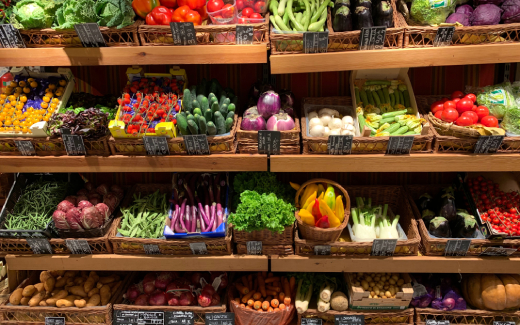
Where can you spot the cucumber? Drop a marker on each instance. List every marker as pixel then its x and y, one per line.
pixel 227 101
pixel 208 115
pixel 199 99
pixel 203 127
pixel 212 129
pixel 231 107
pixel 402 130
pixel 197 111
pixel 190 117
pixel 394 127
pixel 230 114
pixel 194 104
pixel 210 96
pixel 204 104
pixel 192 126
pixel 364 98
pixel 186 101
pixel 196 118
pixel 220 123
pixel 223 109
pixel 222 99
pixel 215 108
pixel 229 124
pixel 216 115
pixel 182 124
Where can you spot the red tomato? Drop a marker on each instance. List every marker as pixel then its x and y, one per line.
pixel 259 6
pixel 471 97
pixel 436 107
pixel 444 99
pixel 450 104
pixel 227 11
pixel 457 94
pixel 255 16
pixel 481 111
pixel 247 12
pixel 243 20
pixel 464 105
pixel 465 121
pixel 449 115
pixel 456 100
pixel 215 5
pixel 438 114
pixel 240 4
pixel 489 121
pixel 472 115
pixel 249 3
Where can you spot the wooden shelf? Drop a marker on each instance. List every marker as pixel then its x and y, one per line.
pixel 380 59
pixel 384 163
pixel 418 264
pixel 95 164
pixel 114 262
pixel 138 55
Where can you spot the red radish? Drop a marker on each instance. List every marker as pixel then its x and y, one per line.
pixel 163 279
pixel 132 293
pixel 215 299
pixel 158 298
pixel 204 299
pixel 142 300
pixel 187 298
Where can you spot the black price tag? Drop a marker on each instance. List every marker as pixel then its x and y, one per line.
pixel 498 251
pixel 254 248
pixel 183 34
pixel 180 318
pixel 151 249
pixel 156 146
pixel 199 248
pixel 488 143
pixel 269 142
pixel 244 34
pixel 322 250
pixel 457 247
pixel 384 247
pixel 39 245
pixel 419 290
pixel 349 320
pixel 400 145
pixel 444 36
pixel 90 35
pixel 10 37
pixel 78 246
pixel 437 322
pixel 26 148
pixel 312 321
pixel 73 143
pixel 315 42
pixel 220 319
pixel 123 317
pixel 340 144
pixel 503 323
pixel 372 38
pixel 54 320
pixel 196 144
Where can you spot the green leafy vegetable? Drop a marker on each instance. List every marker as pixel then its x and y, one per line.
pixel 114 13
pixel 29 14
pixel 431 12
pixel 262 211
pixel 74 12
pixel 498 98
pixel 263 182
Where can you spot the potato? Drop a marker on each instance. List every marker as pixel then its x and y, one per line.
pixel 16 296
pixel 94 300
pixel 84 274
pixel 89 284
pixel 79 280
pixel 81 303
pixel 64 303
pixel 49 284
pixel 61 282
pixel 94 275
pixel 28 291
pixel 35 300
pixel 70 282
pixel 105 294
pixel 93 292
pixel 55 291
pixel 25 301
pixel 70 274
pixel 400 282
pixel 44 276
pixel 60 295
pixel 108 279
pixel 57 273
pixel 78 290
pixel 99 285
pixel 388 294
pixel 43 303
pixel 39 287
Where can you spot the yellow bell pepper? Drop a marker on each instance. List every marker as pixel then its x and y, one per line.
pixel 330 197
pixel 309 189
pixel 310 206
pixel 321 189
pixel 325 210
pixel 339 210
pixel 310 199
pixel 295 186
pixel 306 217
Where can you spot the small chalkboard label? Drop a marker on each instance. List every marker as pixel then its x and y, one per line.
pixel 437 322
pixel 244 34
pixel 54 320
pixel 196 144
pixel 199 248
pixel 10 37
pixel 349 320
pixel 78 246
pixel 73 143
pixel 488 143
pixel 220 319
pixel 419 290
pixel 254 248
pixel 151 249
pixel 340 144
pixel 372 38
pixel 180 318
pixel 269 142
pixel 400 145
pixel 457 247
pixel 444 36
pixel 384 247
pixel 498 251
pixel 156 146
pixel 183 33
pixel 39 245
pixel 322 249
pixel 25 147
pixel 496 322
pixel 312 321
pixel 315 42
pixel 124 317
pixel 90 35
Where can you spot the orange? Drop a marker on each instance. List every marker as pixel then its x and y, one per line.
pixel 44 105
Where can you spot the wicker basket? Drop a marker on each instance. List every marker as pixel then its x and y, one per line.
pixel 269 249
pixel 267 237
pixel 401 317
pixel 99 245
pixel 468 316
pixel 320 234
pixel 452 138
pixel 8 146
pixel 53 146
pixel 156 35
pixel 114 37
pixel 435 246
pixel 289 140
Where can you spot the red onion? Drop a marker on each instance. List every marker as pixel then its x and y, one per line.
pixel 132 293
pixel 280 122
pixel 268 104
pixel 158 298
pixel 163 279
pixel 142 300
pixel 253 122
pixel 204 299
pixel 187 298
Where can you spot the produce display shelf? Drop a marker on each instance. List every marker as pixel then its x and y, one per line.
pixel 115 262
pixel 398 58
pixel 142 55
pixel 96 164
pixel 417 264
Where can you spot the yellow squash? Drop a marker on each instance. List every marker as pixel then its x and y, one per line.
pixel 310 199
pixel 306 217
pixel 309 189
pixel 321 189
pixel 325 210
pixel 330 197
pixel 310 206
pixel 295 186
pixel 339 210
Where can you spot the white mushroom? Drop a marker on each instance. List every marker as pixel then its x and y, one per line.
pixel 317 131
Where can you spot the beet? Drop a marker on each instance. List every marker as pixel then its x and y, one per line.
pixel 204 299
pixel 104 210
pixel 73 218
pixel 84 204
pixel 118 190
pixel 60 220
pixel 102 189
pixel 94 195
pixel 111 201
pixel 215 299
pixel 163 279
pixel 82 198
pixel 142 300
pixel 65 206
pixel 90 218
pixel 158 298
pixel 72 199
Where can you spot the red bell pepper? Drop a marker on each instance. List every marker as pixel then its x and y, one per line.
pixel 316 210
pixel 203 13
pixel 185 14
pixel 169 3
pixel 144 7
pixel 159 16
pixel 323 222
pixel 193 4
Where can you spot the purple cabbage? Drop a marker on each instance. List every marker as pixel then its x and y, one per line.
pixel 486 14
pixel 511 12
pixel 269 104
pixel 458 17
pixel 464 9
pixel 253 122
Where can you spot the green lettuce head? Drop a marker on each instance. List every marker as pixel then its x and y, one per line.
pixel 115 13
pixel 431 12
pixel 74 12
pixel 29 14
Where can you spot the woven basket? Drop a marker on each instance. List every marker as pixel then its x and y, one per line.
pixel 99 245
pixel 53 146
pixel 468 316
pixel 8 146
pixel 315 233
pixel 114 37
pixel 269 249
pixel 267 237
pixel 157 35
pixel 401 317
pixel 435 246
pixel 289 140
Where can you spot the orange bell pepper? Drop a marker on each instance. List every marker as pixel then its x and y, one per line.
pixel 144 7
pixel 185 14
pixel 193 4
pixel 203 13
pixel 159 16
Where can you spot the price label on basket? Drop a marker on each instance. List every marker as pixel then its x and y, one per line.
pixel 372 38
pixel 419 290
pixel 156 146
pixel 315 42
pixel 254 248
pixel 244 34
pixel 151 249
pixel 78 246
pixel 349 320
pixel 10 37
pixel 322 249
pixel 488 143
pixel 457 247
pixel 196 144
pixel 39 245
pixel 220 319
pixel 384 247
pixel 73 143
pixel 90 35
pixel 269 142
pixel 400 145
pixel 26 148
pixel 437 322
pixel 340 144
pixel 127 317
pixel 444 36
pixel 503 323
pixel 183 34
pixel 180 318
pixel 311 321
pixel 498 251
pixel 199 248
pixel 54 320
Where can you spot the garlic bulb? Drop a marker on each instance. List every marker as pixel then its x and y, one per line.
pixel 335 132
pixel 347 120
pixel 326 132
pixel 312 114
pixel 315 121
pixel 325 119
pixel 317 131
pixel 335 123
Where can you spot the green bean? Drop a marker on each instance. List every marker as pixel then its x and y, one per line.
pixel 145 217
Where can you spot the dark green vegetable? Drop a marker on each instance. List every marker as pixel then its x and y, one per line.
pixel 261 182
pixel 342 20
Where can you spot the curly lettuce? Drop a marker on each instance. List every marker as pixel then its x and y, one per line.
pixel 115 13
pixel 74 12
pixel 29 14
pixel 431 12
pixel 498 98
pixel 261 182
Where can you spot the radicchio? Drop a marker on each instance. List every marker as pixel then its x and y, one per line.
pixel 60 220
pixel 64 206
pixel 73 218
pixel 104 210
pixel 84 204
pixel 90 218
pixel 72 199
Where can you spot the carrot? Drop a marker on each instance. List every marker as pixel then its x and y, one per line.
pixel 250 302
pixel 273 288
pixel 270 309
pixel 248 307
pixel 292 283
pixel 286 288
pixel 250 281
pixel 282 306
pixel 237 300
pixel 281 296
pixel 255 285
pixel 272 293
pixel 257 296
pixel 276 309
pixel 242 305
pixel 265 305
pixel 268 298
pixel 248 296
pixel 287 301
pixel 242 289
pixel 272 279
pixel 276 284
pixel 261 284
pixel 257 305
pixel 275 303
pixel 244 281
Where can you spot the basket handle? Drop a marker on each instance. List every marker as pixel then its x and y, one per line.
pixel 322 180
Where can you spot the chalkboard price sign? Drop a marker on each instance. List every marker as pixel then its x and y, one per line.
pixel 10 37
pixel 196 144
pixel 54 320
pixel 124 317
pixel 156 146
pixel 244 34
pixel 372 38
pixel 90 35
pixel 400 145
pixel 78 246
pixel 498 251
pixel 457 247
pixel 269 142
pixel 349 320
pixel 39 245
pixel 322 249
pixel 311 321
pixel 73 143
pixel 315 42
pixel 384 247
pixel 444 36
pixel 151 249
pixel 340 144
pixel 199 248
pixel 183 33
pixel 254 248
pixel 26 148
pixel 488 143
pixel 220 319
pixel 437 322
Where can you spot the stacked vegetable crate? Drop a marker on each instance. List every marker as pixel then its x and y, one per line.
pixel 397 317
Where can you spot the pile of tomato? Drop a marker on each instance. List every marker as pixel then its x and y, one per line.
pixel 496 206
